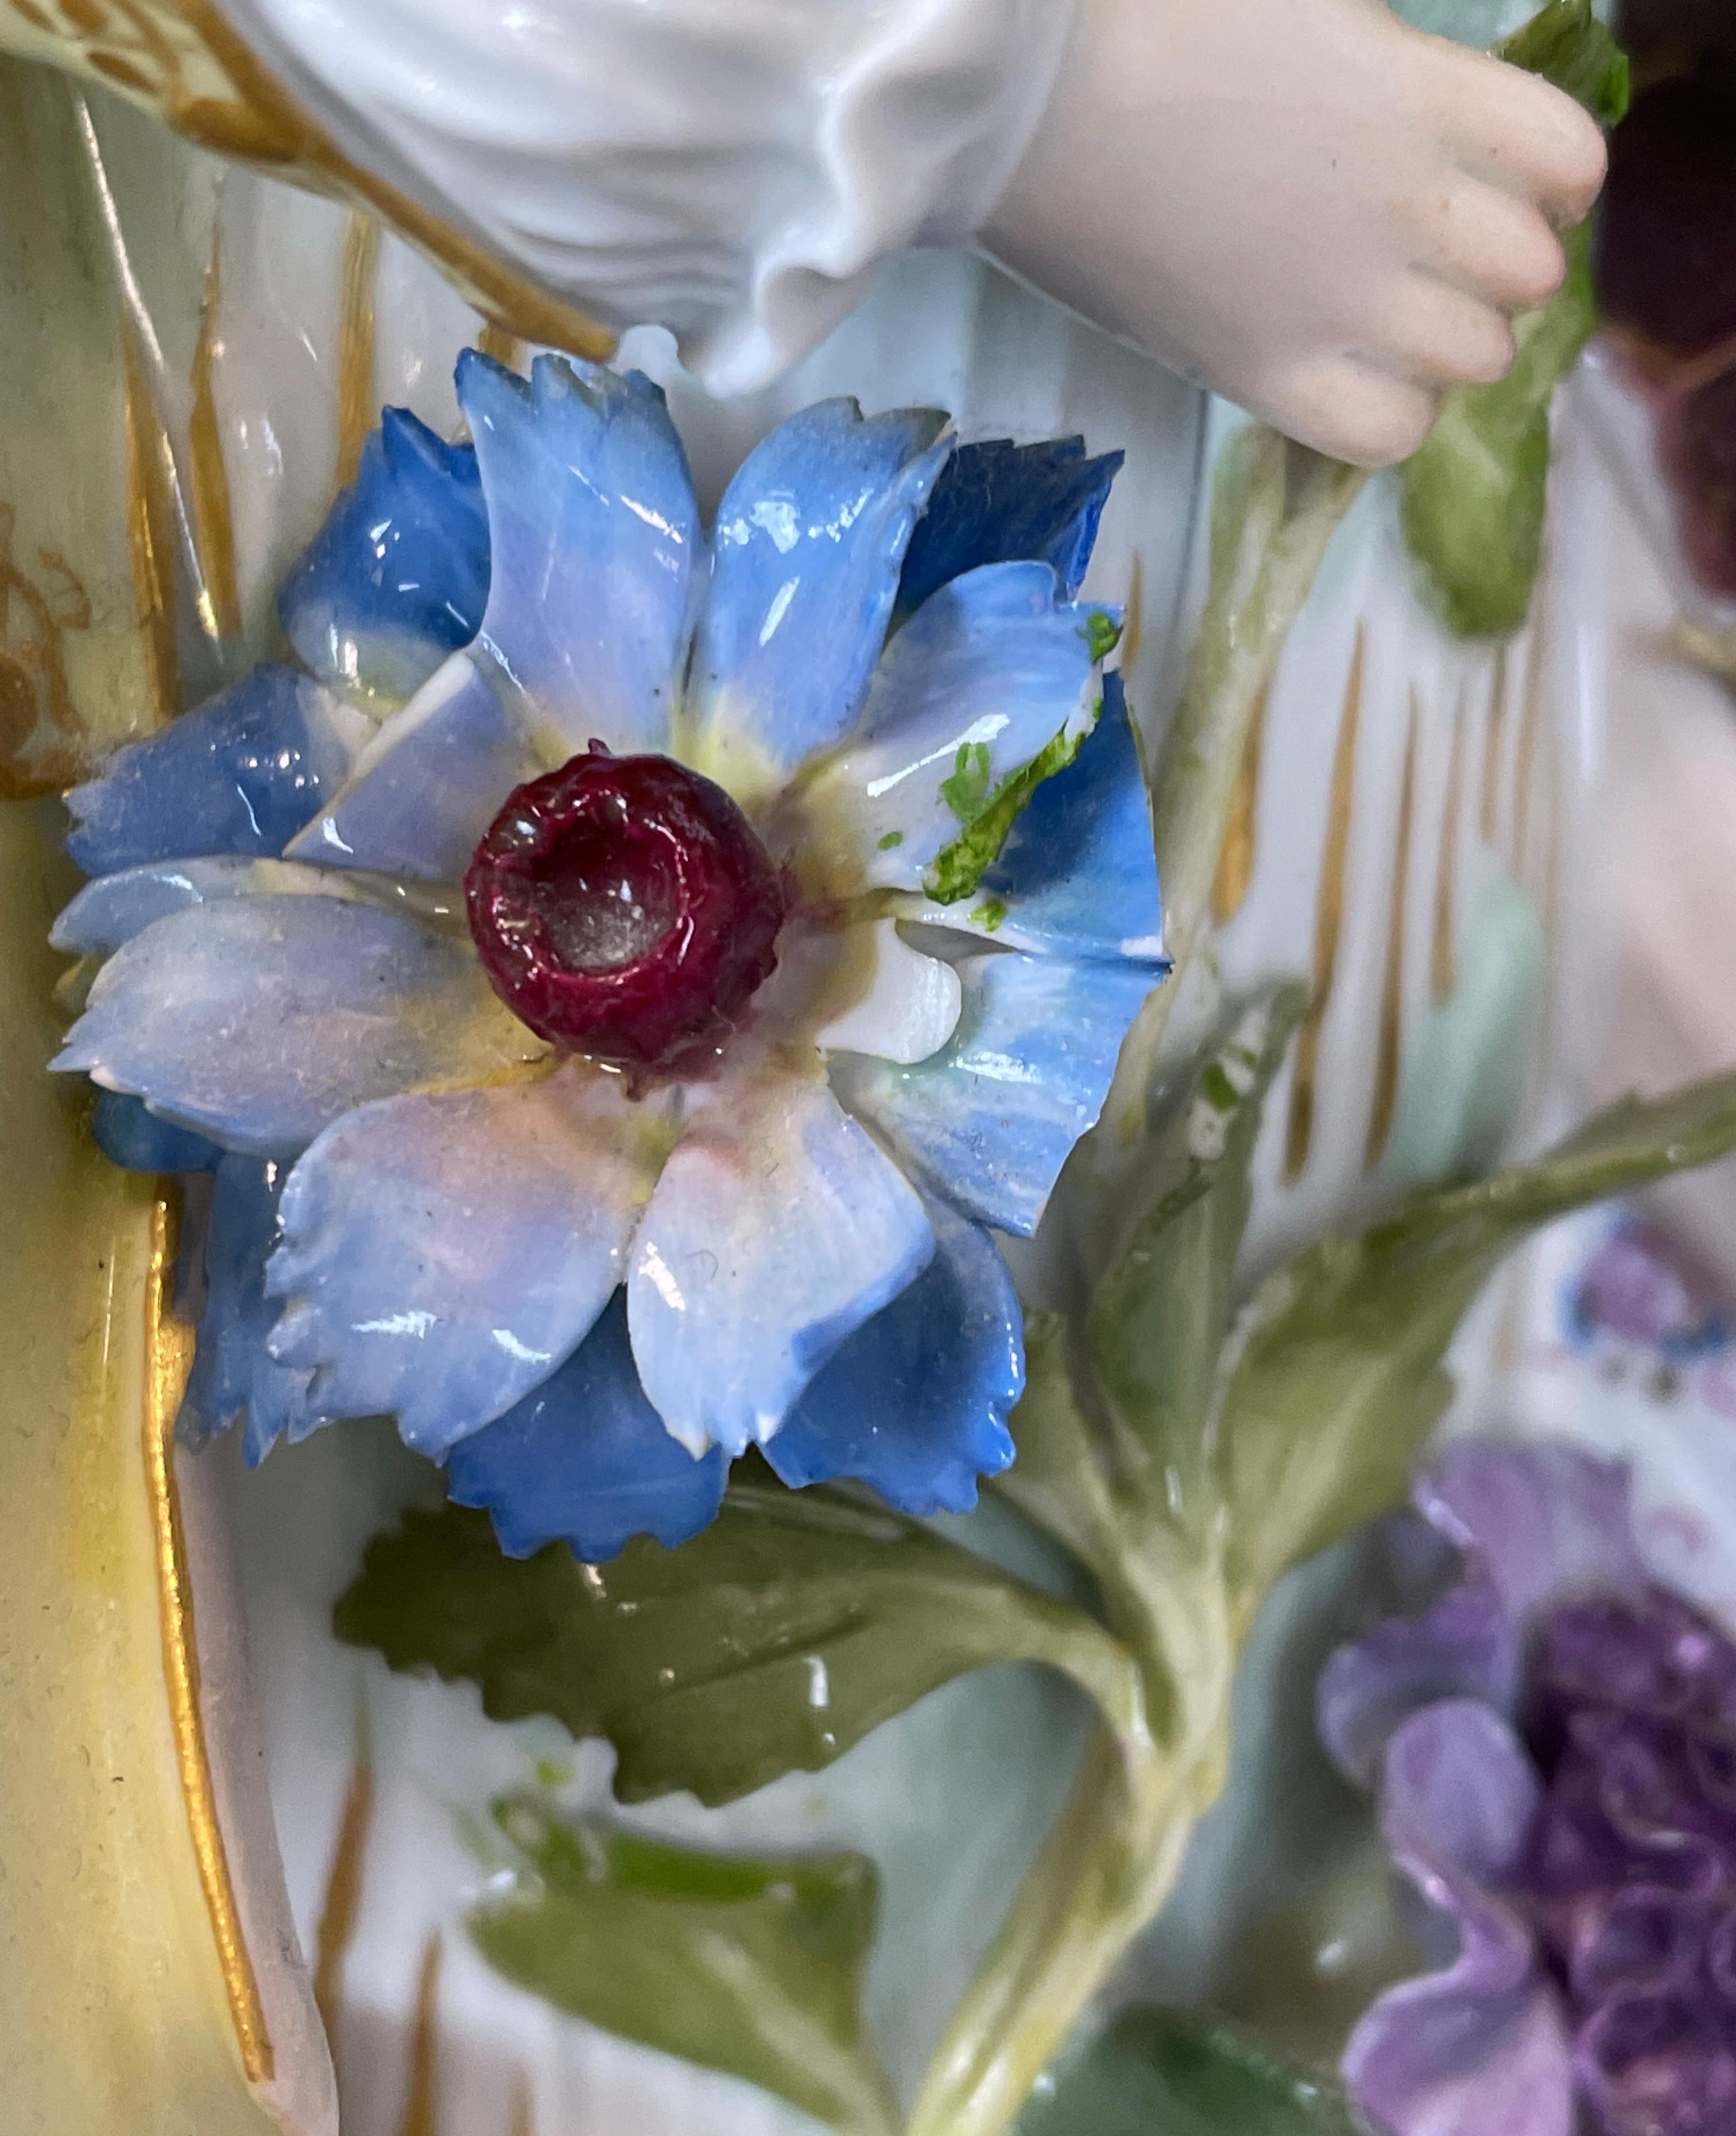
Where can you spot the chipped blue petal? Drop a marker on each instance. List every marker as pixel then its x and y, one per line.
pixel 990 1120
pixel 240 775
pixel 977 683
pixel 232 1370
pixel 596 542
pixel 442 1255
pixel 429 783
pixel 585 1461
pixel 258 1021
pixel 916 1402
pixel 1078 876
pixel 138 1141
pixel 398 576
pixel 777 1230
pixel 810 539
pixel 274 1402
pixel 108 913
pixel 999 503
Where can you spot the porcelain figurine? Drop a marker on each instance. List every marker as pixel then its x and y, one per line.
pixel 317 978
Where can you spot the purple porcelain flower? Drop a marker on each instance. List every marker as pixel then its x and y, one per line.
pixel 1641 1286
pixel 624 972
pixel 1553 1742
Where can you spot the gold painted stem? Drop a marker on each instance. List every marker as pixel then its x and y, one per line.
pixel 168 1360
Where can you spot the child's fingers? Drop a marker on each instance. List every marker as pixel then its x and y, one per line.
pixel 1440 336
pixel 1491 246
pixel 1354 410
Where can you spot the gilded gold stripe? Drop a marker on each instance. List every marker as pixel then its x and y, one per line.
pixel 1133 637
pixel 219 599
pixel 168 1360
pixel 1492 749
pixel 504 346
pixel 357 402
pixel 151 531
pixel 1529 734
pixel 422 2099
pixel 1390 1055
pixel 1443 968
pixel 1237 861
pixel 341 1908
pixel 1328 917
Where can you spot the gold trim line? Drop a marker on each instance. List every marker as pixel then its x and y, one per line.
pixel 168 1360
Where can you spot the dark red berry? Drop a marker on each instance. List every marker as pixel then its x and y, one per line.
pixel 625 909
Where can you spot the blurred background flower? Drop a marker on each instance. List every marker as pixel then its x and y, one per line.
pixel 1553 1740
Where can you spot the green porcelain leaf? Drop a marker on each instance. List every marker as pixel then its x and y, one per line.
pixel 1169 2073
pixel 1160 1316
pixel 988 817
pixel 1472 498
pixel 772 1642
pixel 1339 1376
pixel 750 1966
pixel 1567 45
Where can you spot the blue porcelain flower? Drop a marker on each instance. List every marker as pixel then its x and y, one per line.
pixel 622 978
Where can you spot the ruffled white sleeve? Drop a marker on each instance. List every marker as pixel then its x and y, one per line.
pixel 731 169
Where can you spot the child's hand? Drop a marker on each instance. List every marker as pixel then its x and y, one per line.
pixel 1313 208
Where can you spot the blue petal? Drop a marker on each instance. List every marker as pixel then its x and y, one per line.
pixel 261 1020
pixel 232 1369
pixel 777 1229
pixel 810 539
pixel 998 502
pixel 241 774
pixel 916 1402
pixel 1078 876
pixel 585 1461
pixel 991 1120
pixel 274 1402
pixel 138 1141
pixel 442 1255
pixel 596 541
pixel 108 913
pixel 398 576
pixel 976 684
pixel 429 784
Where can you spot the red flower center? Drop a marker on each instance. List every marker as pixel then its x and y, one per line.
pixel 624 908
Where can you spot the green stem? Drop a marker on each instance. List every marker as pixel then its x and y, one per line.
pixel 1107 1867
pixel 1278 506
pixel 1110 1861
